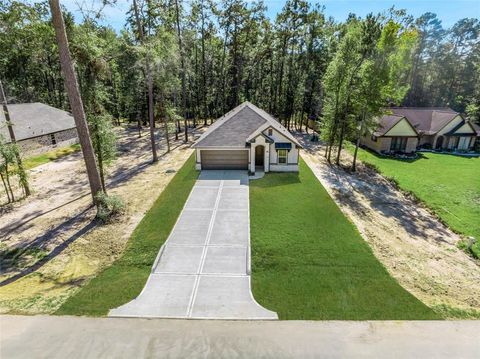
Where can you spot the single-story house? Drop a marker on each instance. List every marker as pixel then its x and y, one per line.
pixel 38 127
pixel 247 138
pixel 405 129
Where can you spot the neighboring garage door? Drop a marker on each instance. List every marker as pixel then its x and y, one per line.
pixel 228 160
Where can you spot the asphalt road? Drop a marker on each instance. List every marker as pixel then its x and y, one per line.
pixel 77 337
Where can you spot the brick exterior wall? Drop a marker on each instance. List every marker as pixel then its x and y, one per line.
pixel 41 144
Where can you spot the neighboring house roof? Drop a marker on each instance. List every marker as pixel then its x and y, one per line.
pixel 455 131
pixel 476 128
pixel 237 127
pixel 35 119
pixel 428 120
pixel 386 123
pixel 425 120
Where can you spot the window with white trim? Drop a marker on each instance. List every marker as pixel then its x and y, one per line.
pixel 270 132
pixel 282 156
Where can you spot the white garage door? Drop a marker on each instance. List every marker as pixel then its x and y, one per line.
pixel 225 160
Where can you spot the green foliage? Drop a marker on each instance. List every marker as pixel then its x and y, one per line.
pixel 309 261
pixel 234 52
pixel 103 136
pixel 109 207
pixel 124 280
pixel 9 165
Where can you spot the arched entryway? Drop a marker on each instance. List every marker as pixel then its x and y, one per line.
pixel 259 156
pixel 439 143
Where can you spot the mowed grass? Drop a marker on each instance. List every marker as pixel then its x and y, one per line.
pixel 125 278
pixel 310 262
pixel 448 184
pixel 34 161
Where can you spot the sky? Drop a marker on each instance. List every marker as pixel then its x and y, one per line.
pixel 448 11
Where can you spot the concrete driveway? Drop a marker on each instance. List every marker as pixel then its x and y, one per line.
pixel 203 269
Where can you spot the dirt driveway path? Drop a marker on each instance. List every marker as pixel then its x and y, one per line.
pixel 202 271
pixel 56 224
pixel 417 249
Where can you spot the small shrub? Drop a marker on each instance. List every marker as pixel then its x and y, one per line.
pixel 109 208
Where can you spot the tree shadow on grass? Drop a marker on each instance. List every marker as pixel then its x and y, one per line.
pixel 40 241
pixel 384 198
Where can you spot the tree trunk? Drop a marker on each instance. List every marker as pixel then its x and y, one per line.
pixel 100 160
pixel 7 178
pixel 182 65
pixel 5 186
pixel 148 74
pixel 75 99
pixel 357 143
pixel 23 180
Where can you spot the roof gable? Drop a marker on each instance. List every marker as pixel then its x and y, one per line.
pixel 463 128
pixel 385 123
pixel 401 128
pixel 428 120
pixel 239 126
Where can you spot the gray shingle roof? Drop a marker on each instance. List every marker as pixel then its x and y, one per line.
pixel 236 126
pixel 35 119
pixel 386 122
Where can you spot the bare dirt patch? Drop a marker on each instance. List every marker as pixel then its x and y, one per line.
pixel 58 222
pixel 415 247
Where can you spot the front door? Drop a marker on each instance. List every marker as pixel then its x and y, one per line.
pixel 259 155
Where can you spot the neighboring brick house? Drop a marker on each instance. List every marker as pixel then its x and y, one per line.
pixel 405 129
pixel 38 127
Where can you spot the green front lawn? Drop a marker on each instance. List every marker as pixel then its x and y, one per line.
pixel 310 262
pixel 448 184
pixel 124 280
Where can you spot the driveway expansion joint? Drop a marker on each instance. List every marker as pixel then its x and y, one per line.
pixel 202 270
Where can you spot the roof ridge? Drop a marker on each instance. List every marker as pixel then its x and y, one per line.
pixel 220 121
pixel 273 122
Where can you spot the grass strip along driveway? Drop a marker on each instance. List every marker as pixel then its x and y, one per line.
pixel 448 184
pixel 124 280
pixel 310 262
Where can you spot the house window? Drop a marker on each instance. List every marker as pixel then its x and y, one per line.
pixel 398 144
pixel 52 139
pixel 270 132
pixel 282 157
pixel 374 138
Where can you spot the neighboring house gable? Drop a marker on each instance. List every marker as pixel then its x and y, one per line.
pixel 463 129
pixel 402 128
pixel 451 125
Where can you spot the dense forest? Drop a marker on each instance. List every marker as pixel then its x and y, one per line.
pixel 200 59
